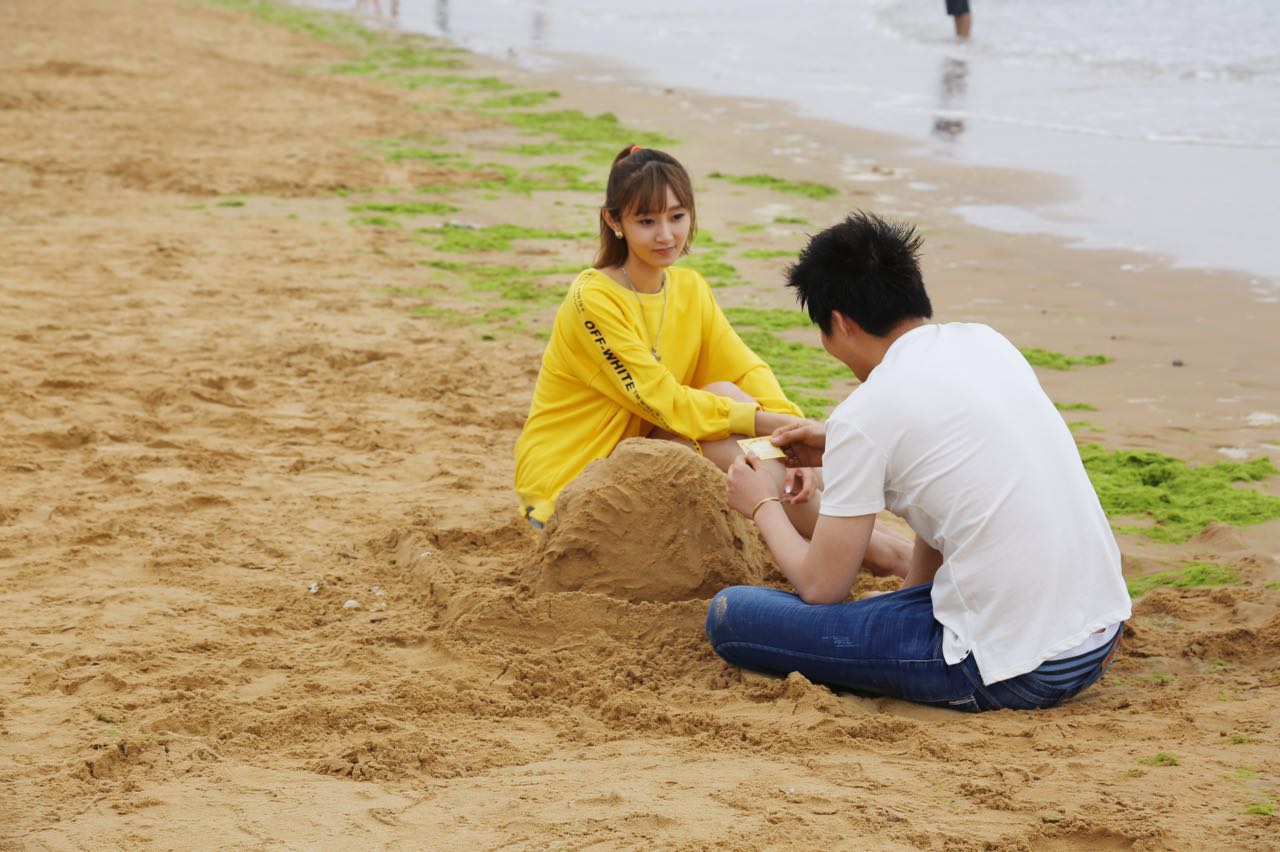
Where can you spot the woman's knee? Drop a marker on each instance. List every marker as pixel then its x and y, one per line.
pixel 730 390
pixel 659 434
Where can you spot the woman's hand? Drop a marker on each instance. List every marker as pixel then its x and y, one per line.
pixel 800 484
pixel 748 485
pixel 803 443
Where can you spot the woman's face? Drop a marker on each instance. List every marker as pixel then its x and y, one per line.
pixel 657 238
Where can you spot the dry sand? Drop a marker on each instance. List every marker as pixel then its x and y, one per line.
pixel 221 424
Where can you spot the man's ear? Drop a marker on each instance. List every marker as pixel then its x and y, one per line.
pixel 841 323
pixel 848 325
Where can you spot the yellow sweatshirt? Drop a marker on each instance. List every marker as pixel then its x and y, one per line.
pixel 600 383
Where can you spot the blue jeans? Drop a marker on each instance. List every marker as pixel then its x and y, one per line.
pixel 888 645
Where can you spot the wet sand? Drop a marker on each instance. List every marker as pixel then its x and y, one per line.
pixel 223 422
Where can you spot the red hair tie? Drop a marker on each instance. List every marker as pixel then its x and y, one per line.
pixel 634 148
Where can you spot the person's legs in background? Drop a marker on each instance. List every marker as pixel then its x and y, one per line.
pixel 959 11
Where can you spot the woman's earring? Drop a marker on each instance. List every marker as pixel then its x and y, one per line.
pixel 618 234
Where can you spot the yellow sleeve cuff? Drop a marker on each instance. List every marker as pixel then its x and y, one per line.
pixel 742 418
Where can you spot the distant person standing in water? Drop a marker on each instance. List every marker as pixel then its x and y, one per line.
pixel 959 10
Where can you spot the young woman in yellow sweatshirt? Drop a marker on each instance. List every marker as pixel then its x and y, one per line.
pixel 639 347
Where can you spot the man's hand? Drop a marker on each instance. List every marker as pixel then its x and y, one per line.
pixel 748 485
pixel 803 443
pixel 800 484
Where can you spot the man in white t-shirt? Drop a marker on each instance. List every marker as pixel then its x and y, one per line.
pixel 1012 592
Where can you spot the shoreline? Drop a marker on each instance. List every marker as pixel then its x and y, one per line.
pixel 1015 197
pixel 1127 196
pixel 271 328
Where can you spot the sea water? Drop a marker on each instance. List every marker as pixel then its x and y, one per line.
pixel 1164 115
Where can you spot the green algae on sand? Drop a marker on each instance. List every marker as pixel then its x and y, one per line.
pixel 801 368
pixel 405 208
pixel 519 100
pixel 1160 758
pixel 520 288
pixel 459 239
pixel 713 267
pixel 1178 500
pixel 1058 361
pixel 597 134
pixel 808 189
pixel 1194 575
pixel 373 222
pixel 1084 425
pixel 769 254
pixel 768 319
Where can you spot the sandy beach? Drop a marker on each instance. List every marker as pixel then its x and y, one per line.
pixel 273 297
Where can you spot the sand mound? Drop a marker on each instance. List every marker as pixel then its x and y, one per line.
pixel 649 523
pixel 1238 643
pixel 1221 536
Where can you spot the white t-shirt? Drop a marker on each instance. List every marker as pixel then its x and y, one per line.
pixel 953 433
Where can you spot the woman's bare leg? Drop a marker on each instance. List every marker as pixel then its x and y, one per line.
pixel 925 562
pixel 888 554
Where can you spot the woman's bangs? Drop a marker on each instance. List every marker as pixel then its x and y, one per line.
pixel 649 192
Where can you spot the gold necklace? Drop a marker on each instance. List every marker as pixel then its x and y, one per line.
pixel 661 319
